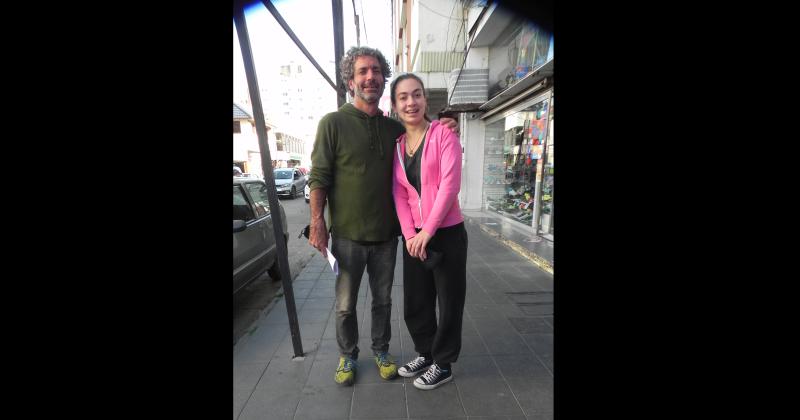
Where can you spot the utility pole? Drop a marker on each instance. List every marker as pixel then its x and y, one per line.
pixel 358 33
pixel 338 47
pixel 358 30
pixel 269 176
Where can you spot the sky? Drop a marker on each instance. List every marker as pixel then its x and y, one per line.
pixel 312 23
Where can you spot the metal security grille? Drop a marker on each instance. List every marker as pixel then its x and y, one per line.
pixel 473 86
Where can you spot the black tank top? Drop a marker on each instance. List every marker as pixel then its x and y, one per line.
pixel 413 167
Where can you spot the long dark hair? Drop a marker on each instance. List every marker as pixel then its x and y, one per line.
pixel 405 76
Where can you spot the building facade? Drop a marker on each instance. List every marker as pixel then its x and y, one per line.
pixel 430 42
pixel 286 151
pixel 502 89
pixel 246 153
pixel 291 150
pixel 294 98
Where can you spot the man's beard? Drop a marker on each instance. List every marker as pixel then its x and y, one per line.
pixel 369 98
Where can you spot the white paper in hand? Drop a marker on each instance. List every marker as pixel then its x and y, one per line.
pixel 332 261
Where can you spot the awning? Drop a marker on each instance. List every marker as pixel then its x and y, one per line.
pixel 533 82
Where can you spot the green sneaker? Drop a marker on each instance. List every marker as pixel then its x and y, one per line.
pixel 346 372
pixel 386 365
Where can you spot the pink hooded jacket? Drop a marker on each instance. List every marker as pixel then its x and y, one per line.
pixel 440 180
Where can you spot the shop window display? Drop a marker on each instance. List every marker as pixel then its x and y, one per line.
pixel 514 147
pixel 530 48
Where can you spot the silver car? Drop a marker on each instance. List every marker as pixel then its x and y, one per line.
pixel 254 246
pixel 289 181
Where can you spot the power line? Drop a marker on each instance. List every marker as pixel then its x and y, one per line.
pixel 363 18
pixel 437 13
pixel 448 24
pixel 355 19
pixel 455 85
pixel 468 46
pixel 394 53
pixel 455 41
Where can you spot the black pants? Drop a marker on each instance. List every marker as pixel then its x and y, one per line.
pixel 447 283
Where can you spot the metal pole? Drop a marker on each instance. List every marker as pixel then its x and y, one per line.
pixel 355 17
pixel 269 177
pixel 537 194
pixel 296 40
pixel 338 46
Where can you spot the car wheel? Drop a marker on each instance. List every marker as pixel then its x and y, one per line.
pixel 274 272
pixel 293 194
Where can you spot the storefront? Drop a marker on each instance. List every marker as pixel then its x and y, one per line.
pixel 518 164
pixel 507 138
pixel 517 161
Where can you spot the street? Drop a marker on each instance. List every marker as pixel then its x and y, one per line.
pixel 249 302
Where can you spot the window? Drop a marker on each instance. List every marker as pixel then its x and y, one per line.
pixel 283 174
pixel 241 208
pixel 529 48
pixel 513 163
pixel 237 126
pixel 258 191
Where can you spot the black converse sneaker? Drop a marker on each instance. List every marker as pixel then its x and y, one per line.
pixel 434 377
pixel 414 367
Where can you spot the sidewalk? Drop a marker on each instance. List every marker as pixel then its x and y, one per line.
pixel 505 369
pixel 539 251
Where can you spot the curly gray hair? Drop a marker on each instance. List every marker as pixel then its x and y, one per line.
pixel 347 66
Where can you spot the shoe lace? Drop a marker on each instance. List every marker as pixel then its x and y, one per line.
pixel 383 359
pixel 432 373
pixel 416 363
pixel 347 365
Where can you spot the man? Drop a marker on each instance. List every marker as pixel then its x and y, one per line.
pixel 352 161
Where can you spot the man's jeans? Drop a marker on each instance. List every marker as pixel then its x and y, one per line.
pixel 379 260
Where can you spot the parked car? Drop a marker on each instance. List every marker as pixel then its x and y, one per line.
pixel 307 192
pixel 289 181
pixel 254 248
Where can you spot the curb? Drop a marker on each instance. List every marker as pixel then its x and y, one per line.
pixel 524 252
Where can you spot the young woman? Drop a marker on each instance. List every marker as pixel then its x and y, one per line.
pixel 427 179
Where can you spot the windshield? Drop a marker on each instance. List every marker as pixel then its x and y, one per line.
pixel 283 174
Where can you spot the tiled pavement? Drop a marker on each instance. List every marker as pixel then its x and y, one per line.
pixel 505 370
